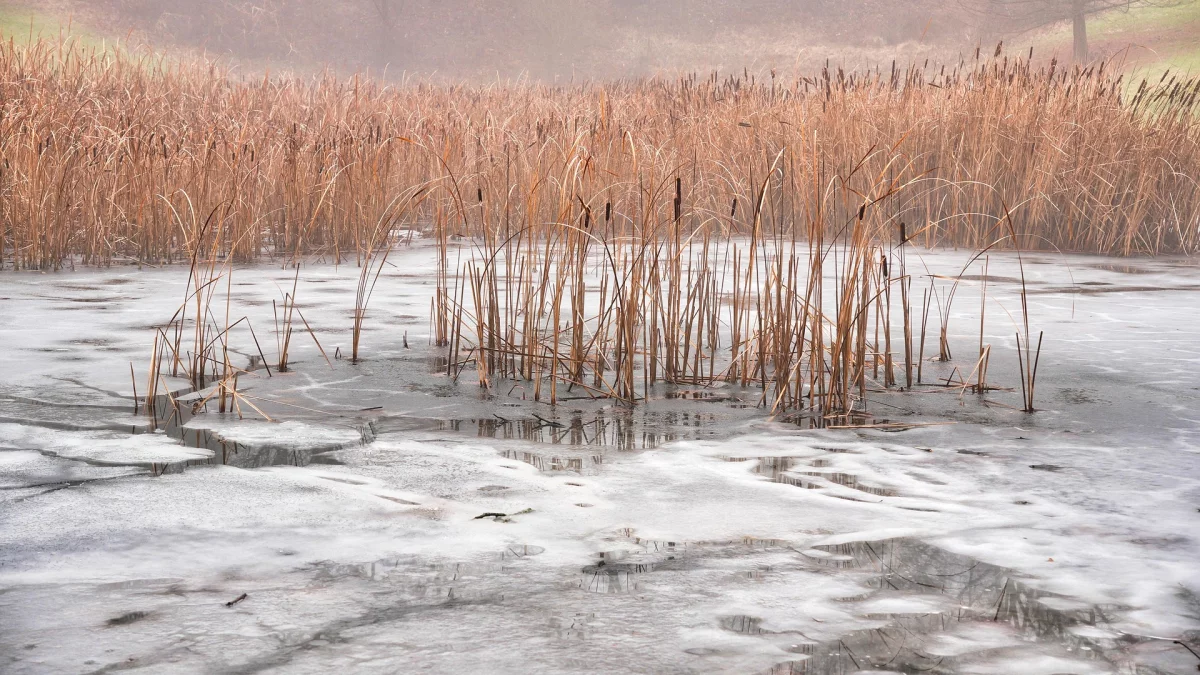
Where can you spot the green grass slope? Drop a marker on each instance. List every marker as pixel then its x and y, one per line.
pixel 1151 38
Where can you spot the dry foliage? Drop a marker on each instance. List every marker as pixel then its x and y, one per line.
pixel 111 156
pixel 688 231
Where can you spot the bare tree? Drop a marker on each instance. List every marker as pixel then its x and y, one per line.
pixel 1024 15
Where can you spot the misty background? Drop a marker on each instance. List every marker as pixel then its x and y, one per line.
pixel 558 39
pixel 546 38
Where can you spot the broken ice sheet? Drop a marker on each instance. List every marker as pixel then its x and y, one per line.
pixel 746 547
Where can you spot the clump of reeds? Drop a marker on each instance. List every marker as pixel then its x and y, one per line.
pixel 373 258
pixel 680 297
pixel 194 343
pixel 283 334
pixel 285 314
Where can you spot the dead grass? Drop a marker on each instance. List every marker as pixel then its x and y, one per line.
pixel 100 148
pixel 696 231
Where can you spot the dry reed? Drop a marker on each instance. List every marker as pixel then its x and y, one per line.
pixel 690 231
pixel 98 148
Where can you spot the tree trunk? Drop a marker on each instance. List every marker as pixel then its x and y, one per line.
pixel 1079 21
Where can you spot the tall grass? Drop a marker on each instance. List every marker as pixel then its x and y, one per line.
pixel 99 148
pixel 697 231
pixel 677 299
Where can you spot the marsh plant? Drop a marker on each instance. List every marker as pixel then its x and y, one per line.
pixel 98 150
pixel 607 236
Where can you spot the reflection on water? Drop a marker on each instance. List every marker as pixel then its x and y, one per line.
pixel 613 578
pixel 742 624
pixel 778 470
pixel 698 395
pixel 784 470
pixel 168 416
pixel 171 417
pixel 1123 268
pixel 969 591
pixel 939 598
pixel 936 594
pixel 578 465
pixel 419 570
pixel 851 481
pixel 853 420
pixel 624 432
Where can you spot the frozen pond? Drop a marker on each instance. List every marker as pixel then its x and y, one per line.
pixel 691 534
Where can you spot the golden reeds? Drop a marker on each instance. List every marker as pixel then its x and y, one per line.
pixel 680 298
pixel 99 148
pixel 748 228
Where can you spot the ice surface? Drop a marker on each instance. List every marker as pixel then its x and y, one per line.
pixel 259 432
pixel 690 535
pixel 100 447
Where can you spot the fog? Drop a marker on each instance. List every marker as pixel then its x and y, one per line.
pixel 549 39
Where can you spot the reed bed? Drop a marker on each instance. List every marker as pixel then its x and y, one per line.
pixel 109 156
pixel 691 231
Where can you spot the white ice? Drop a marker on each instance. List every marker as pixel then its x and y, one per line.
pixel 379 563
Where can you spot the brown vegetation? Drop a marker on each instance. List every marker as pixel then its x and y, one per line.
pixel 688 231
pixel 112 157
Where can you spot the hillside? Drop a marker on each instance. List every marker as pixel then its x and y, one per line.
pixel 1151 38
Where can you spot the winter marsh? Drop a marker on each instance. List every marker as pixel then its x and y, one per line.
pixel 688 533
pixel 653 376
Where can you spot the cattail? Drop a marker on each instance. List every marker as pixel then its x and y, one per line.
pixel 678 198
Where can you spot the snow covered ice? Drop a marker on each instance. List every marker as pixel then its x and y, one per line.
pixel 690 535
